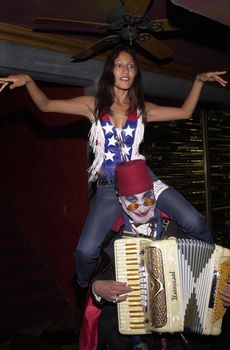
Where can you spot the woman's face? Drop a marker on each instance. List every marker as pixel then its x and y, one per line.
pixel 124 71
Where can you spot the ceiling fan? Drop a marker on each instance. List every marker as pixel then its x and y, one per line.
pixel 130 24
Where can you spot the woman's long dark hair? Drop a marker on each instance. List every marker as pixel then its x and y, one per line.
pixel 105 93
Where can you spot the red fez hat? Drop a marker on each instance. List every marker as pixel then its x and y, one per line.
pixel 133 177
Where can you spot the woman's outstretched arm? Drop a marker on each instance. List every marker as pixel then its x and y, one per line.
pixel 161 113
pixel 83 105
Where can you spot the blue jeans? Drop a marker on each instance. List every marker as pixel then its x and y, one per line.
pixel 104 209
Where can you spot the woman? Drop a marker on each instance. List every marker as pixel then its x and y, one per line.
pixel 118 113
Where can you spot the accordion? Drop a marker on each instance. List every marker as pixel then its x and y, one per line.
pixel 175 284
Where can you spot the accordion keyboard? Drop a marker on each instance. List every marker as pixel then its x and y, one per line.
pixel 131 311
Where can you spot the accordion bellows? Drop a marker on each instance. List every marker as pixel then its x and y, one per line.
pixel 175 284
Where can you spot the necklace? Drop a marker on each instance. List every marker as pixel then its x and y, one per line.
pixel 121 145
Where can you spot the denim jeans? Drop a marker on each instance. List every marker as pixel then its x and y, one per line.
pixel 104 210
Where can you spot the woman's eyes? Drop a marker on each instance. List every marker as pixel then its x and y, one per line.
pixel 120 65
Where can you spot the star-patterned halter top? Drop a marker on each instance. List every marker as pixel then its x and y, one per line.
pixel 118 143
pixel 113 145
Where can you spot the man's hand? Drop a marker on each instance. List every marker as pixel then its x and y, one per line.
pixel 112 291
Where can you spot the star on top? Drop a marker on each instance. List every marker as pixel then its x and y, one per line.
pixel 128 131
pixel 112 141
pixel 126 149
pixel 108 128
pixel 109 156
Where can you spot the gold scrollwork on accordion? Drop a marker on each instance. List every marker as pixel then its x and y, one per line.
pixel 223 279
pixel 158 315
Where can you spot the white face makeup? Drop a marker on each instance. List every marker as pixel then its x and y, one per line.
pixel 139 207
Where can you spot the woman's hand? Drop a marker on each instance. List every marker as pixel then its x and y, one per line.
pixel 112 291
pixel 14 81
pixel 212 76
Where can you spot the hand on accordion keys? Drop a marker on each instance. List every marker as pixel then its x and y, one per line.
pixel 225 293
pixel 112 291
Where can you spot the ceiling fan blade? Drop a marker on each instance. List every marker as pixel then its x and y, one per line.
pixel 25 36
pixel 135 8
pixel 161 25
pixel 153 47
pixel 46 24
pixel 96 48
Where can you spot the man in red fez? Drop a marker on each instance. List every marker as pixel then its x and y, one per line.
pixel 139 217
pixel 135 191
